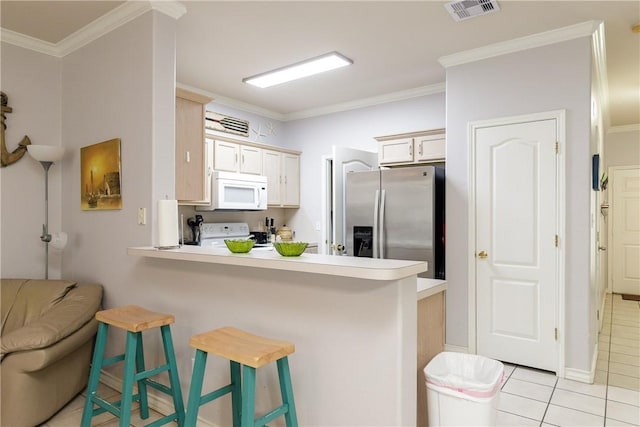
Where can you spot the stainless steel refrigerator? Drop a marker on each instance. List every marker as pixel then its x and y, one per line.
pixel 397 214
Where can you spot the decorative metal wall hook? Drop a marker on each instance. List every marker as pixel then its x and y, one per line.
pixel 10 157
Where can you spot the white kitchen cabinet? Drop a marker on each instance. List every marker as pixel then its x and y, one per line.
pixel 291 184
pixel 192 167
pixel 283 178
pixel 417 147
pixel 235 157
pixel 429 147
pixel 250 159
pixel 272 169
pixel 395 151
pixel 225 156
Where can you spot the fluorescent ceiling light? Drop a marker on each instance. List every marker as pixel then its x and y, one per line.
pixel 320 64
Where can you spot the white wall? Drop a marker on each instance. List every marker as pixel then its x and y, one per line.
pixel 542 79
pixel 31 81
pixel 107 93
pixel 121 86
pixel 622 148
pixel 355 129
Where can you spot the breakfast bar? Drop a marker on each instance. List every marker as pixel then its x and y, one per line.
pixel 352 320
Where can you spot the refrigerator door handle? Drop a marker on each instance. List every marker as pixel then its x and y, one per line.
pixel 376 211
pixel 381 240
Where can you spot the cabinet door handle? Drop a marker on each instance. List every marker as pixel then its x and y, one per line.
pixel 285 179
pixel 187 157
pixel 482 254
pixel 411 150
pixel 236 159
pixel 243 159
pixel 420 149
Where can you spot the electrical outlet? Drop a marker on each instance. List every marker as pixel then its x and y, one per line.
pixel 142 216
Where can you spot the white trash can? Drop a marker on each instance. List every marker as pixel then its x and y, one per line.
pixel 463 389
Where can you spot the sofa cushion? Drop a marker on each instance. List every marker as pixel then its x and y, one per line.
pixel 25 300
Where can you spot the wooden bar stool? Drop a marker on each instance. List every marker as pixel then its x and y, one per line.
pixel 134 320
pixel 246 352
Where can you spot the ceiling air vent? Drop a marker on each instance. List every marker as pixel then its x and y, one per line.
pixel 222 123
pixel 465 9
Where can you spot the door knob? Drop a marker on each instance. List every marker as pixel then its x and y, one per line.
pixel 602 248
pixel 482 254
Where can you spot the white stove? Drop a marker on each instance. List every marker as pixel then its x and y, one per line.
pixel 213 234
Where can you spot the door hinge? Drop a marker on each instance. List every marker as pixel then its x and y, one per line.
pixel 557 241
pixel 557 147
pixel 556 333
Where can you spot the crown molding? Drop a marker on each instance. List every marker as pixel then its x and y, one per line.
pixel 367 102
pixel 314 112
pixel 28 42
pixel 95 29
pixel 584 29
pixel 625 128
pixel 234 103
pixel 171 8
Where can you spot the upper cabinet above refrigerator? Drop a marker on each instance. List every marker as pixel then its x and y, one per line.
pixel 412 148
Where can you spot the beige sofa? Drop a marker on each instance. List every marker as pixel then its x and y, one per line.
pixel 48 328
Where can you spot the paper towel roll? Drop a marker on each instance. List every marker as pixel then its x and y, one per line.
pixel 167 223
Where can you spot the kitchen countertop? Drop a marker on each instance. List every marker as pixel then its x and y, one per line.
pixel 429 287
pixel 345 266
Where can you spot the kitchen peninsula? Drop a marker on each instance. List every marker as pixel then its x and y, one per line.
pixel 353 322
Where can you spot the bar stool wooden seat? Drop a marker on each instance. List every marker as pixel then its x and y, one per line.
pixel 246 352
pixel 134 320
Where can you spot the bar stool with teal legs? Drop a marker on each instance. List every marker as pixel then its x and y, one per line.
pixel 134 320
pixel 246 352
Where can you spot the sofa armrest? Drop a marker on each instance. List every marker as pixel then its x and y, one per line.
pixel 76 309
pixel 38 359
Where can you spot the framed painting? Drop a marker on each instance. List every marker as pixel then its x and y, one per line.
pixel 100 172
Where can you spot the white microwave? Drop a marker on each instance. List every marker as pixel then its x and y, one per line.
pixel 237 191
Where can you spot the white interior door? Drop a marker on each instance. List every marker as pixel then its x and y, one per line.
pixel 345 160
pixel 624 247
pixel 515 242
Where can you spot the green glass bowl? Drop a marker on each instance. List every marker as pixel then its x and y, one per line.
pixel 239 246
pixel 290 248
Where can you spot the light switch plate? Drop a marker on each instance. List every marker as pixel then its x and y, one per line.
pixel 142 216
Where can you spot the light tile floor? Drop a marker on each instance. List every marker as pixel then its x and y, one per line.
pixel 537 398
pixel 529 397
pixel 71 415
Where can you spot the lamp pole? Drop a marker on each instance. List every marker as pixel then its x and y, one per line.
pixel 46 237
pixel 47 155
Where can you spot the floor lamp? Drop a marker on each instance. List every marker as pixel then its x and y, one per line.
pixel 47 155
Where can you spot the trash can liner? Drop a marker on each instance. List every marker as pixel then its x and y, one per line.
pixel 473 375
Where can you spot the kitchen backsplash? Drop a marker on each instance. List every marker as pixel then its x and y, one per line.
pixel 255 219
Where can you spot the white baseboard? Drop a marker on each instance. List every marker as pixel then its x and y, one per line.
pixel 158 404
pixel 456 348
pixel 582 375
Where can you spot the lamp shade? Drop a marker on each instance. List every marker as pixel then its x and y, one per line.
pixel 46 153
